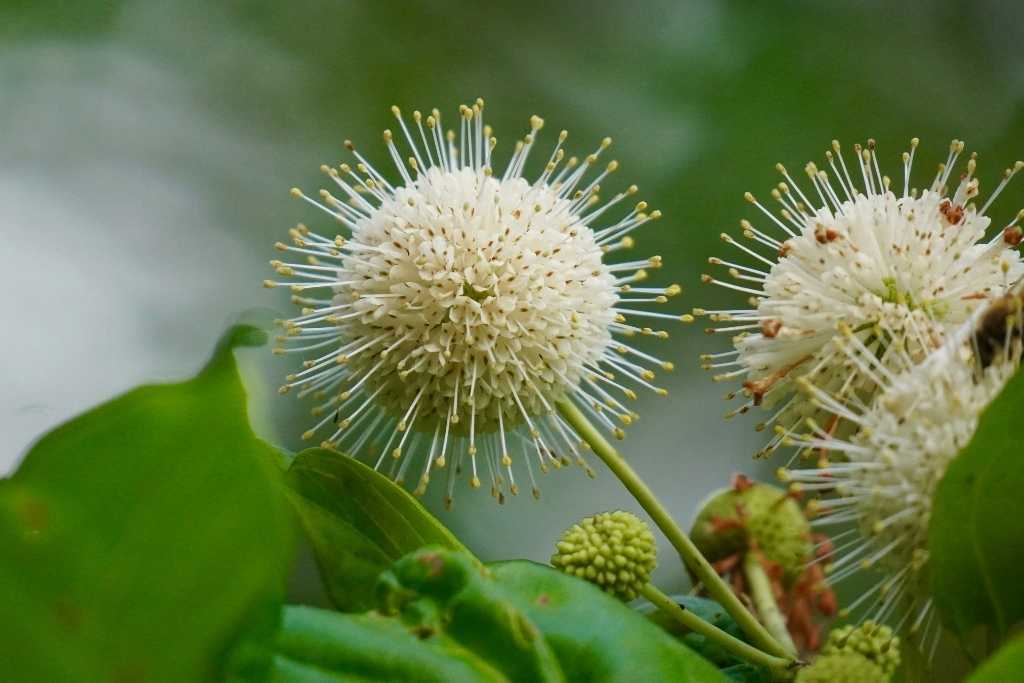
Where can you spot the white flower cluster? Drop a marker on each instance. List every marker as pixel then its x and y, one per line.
pixel 881 481
pixel 462 304
pixel 884 320
pixel 899 267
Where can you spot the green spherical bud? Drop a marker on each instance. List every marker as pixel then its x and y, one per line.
pixel 733 519
pixel 871 640
pixel 614 550
pixel 434 571
pixel 842 668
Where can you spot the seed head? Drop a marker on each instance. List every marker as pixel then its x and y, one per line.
pixel 754 515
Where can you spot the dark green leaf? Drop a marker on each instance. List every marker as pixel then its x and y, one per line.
pixel 976 544
pixel 711 612
pixel 141 538
pixel 359 523
pixel 1006 665
pixel 747 673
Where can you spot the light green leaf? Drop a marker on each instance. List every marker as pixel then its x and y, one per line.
pixel 975 538
pixel 595 637
pixel 141 538
pixel 1006 665
pixel 317 646
pixel 359 523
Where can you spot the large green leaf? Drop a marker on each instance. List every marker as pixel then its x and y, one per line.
pixel 443 616
pixel 141 538
pixel 1006 665
pixel 359 523
pixel 976 538
pixel 596 637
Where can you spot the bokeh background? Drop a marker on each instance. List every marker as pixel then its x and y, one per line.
pixel 147 148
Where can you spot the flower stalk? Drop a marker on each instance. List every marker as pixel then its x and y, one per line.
pixel 764 600
pixel 688 552
pixel 781 668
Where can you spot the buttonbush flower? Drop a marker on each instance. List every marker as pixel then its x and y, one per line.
pixel 883 485
pixel 898 266
pixel 461 301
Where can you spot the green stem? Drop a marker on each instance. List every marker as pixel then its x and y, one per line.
pixel 692 557
pixel 781 669
pixel 764 600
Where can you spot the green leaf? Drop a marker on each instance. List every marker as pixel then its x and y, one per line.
pixel 976 545
pixel 141 538
pixel 713 613
pixel 359 523
pixel 317 646
pixel 747 673
pixel 1006 665
pixel 444 616
pixel 595 637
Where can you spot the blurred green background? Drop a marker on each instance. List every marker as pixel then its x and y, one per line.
pixel 148 146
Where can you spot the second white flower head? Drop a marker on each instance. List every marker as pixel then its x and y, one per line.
pixel 898 266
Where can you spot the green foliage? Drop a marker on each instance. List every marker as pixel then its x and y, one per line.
pixel 914 666
pixel 747 673
pixel 711 612
pixel 594 636
pixel 359 523
pixel 317 646
pixel 444 617
pixel 734 668
pixel 142 537
pixel 975 538
pixel 1006 665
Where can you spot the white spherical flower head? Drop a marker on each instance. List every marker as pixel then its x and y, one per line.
pixel 890 468
pixel 899 266
pixel 507 291
pixel 462 304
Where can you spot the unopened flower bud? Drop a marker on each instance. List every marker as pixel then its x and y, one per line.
pixel 614 550
pixel 871 640
pixel 842 668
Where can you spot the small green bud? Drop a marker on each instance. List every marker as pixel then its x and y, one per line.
pixel 431 570
pixel 749 513
pixel 842 668
pixel 614 550
pixel 871 640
